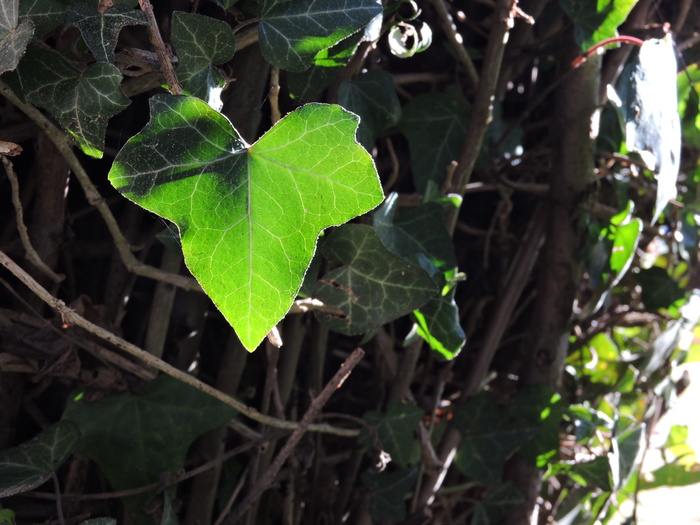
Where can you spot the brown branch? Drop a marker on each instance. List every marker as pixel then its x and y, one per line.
pixel 30 252
pixel 157 40
pixel 65 147
pixel 269 475
pixel 71 317
pixel 275 114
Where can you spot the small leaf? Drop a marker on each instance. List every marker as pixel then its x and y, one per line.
pixel 101 30
pixel 82 102
pixel 500 501
pixel 624 245
pixel 545 408
pixel 373 98
pixel 201 41
pixel 489 438
pixel 248 216
pixel 650 103
pixel 292 32
pixel 437 322
pixel 14 36
pixel 135 439
pixel 435 125
pixel 99 521
pixel 374 286
pixel 630 447
pixel 659 290
pixel 29 465
pixel 595 21
pixel 395 430
pixel 389 490
pixel 672 475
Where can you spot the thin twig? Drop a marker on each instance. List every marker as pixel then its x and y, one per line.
pixel 65 147
pixel 59 504
pixel 316 405
pixel 157 40
pixel 71 317
pixel 275 114
pixel 30 252
pixel 448 26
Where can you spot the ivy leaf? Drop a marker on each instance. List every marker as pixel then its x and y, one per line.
pixel 81 101
pixel 659 290
pixel 201 41
pixel 101 30
pixel 435 125
pixel 500 501
pixel 14 35
pixel 29 465
pixel 394 430
pixel 437 322
pixel 371 96
pixel 374 286
pixel 650 104
pixel 249 216
pixel 388 491
pixel 292 32
pixel 46 15
pixel 596 21
pixel 135 439
pixel 490 436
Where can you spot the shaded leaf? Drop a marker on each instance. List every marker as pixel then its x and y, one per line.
pixel 201 41
pixel 389 490
pixel 44 14
pixel 81 101
pixel 629 449
pixel 500 501
pixel 99 521
pixel 292 32
pixel 395 430
pixel 14 35
pixel 489 435
pixel 29 465
pixel 435 125
pixel 248 216
pixel 373 98
pixel 544 408
pixel 659 290
pixel 595 21
pixel 101 30
pixel 135 439
pixel 374 286
pixel 437 322
pixel 650 104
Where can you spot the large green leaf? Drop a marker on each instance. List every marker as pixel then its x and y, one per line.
pixel 201 41
pixel 248 216
pixel 101 30
pixel 29 465
pixel 490 436
pixel 394 430
pixel 135 439
pixel 389 491
pixel 373 97
pixel 434 124
pixel 14 35
pixel 596 21
pixel 374 286
pixel 82 101
pixel 292 32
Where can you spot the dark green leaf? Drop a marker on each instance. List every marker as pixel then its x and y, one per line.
pixel 434 125
pixel 201 41
pixel 437 322
pixel 29 465
pixel 500 501
pixel 417 230
pixel 44 14
pixel 629 447
pixel 659 290
pixel 389 490
pixel 489 435
pixel 596 20
pixel 100 521
pixel 101 30
pixel 82 101
pixel 543 407
pixel 371 96
pixel 596 473
pixel 374 286
pixel 14 35
pixel 135 439
pixel 395 430
pixel 248 216
pixel 292 32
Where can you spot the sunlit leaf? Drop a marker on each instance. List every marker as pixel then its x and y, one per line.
pixel 248 216
pixel 597 20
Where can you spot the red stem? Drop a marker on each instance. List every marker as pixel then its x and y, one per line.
pixel 615 39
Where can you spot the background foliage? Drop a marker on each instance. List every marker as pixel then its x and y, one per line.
pixel 522 276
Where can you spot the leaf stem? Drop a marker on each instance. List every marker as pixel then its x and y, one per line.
pixel 612 40
pixel 71 317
